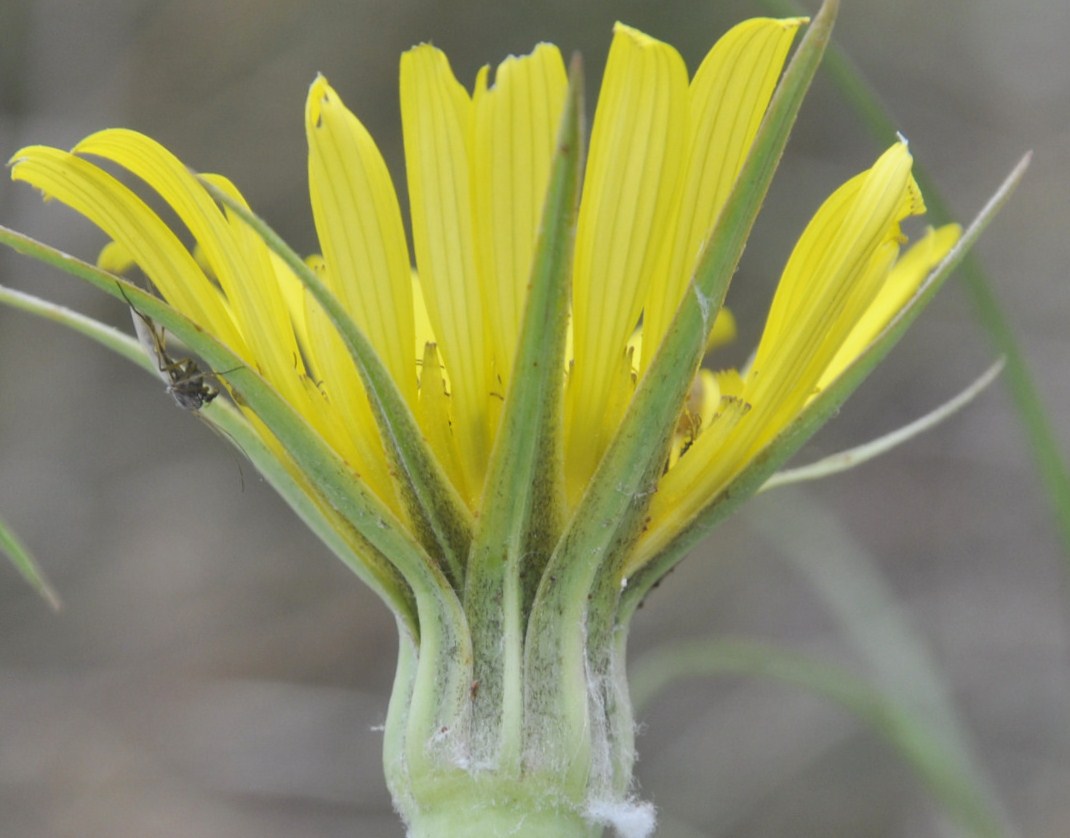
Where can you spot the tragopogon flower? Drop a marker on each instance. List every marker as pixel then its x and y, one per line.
pixel 513 442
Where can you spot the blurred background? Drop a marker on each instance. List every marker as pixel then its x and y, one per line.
pixel 216 672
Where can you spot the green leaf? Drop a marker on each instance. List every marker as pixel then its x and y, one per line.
pixel 354 551
pixel 609 516
pixel 441 517
pixel 27 565
pixel 520 514
pixel 816 413
pixel 915 738
pixel 118 342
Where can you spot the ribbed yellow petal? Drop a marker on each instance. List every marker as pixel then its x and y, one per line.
pixel 434 412
pixel 437 119
pixel 826 285
pixel 728 98
pixel 902 283
pixel 259 304
pixel 237 260
pixel 351 429
pixel 636 151
pixel 516 128
pixel 791 375
pixel 360 230
pixel 127 219
pixel 833 275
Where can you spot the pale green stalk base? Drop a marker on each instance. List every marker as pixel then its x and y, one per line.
pixel 492 807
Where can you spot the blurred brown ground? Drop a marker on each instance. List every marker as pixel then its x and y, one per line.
pixel 216 673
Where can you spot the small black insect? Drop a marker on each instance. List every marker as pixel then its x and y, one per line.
pixel 186 382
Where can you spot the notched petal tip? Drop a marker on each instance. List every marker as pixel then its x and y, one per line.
pixel 26 153
pixel 640 39
pixel 320 96
pixel 422 50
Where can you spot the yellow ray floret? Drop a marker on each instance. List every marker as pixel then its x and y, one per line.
pixel 513 145
pixel 437 119
pixel 842 276
pixel 360 231
pixel 631 180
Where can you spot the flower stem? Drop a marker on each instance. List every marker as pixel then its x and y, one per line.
pixel 495 809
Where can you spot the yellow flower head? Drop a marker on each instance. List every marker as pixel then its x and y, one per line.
pixel 664 154
pixel 504 429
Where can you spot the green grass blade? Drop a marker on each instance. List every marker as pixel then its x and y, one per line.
pixel 24 562
pixel 849 581
pixel 1047 454
pixel 910 733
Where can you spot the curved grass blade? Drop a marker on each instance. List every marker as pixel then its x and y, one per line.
pixel 910 734
pixel 849 581
pixel 27 566
pixel 1040 434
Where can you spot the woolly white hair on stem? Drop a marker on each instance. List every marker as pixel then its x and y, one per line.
pixel 630 818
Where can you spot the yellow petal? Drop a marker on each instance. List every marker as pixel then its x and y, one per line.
pixel 127 219
pixel 260 306
pixel 349 425
pixel 728 98
pixel 833 275
pixel 723 331
pixel 900 286
pixel 637 145
pixel 436 115
pixel 239 261
pixel 434 412
pixel 516 124
pixel 360 230
pixel 848 228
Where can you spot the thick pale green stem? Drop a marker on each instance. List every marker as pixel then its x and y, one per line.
pixel 491 808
